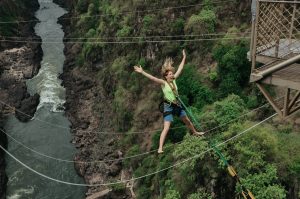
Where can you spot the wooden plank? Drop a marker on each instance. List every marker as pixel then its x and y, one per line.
pixel 265 59
pixel 288 72
pixel 277 81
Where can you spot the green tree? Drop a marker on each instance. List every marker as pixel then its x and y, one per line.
pixel 190 87
pixel 172 194
pixel 233 67
pixel 82 6
pixel 201 194
pixel 125 31
pixel 263 185
pixel 204 22
pixel 221 113
pixel 190 147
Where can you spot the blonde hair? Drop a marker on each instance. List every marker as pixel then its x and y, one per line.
pixel 167 66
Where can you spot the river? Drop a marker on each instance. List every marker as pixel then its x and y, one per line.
pixel 48 132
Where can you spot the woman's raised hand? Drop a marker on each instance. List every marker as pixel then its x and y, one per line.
pixel 138 69
pixel 183 53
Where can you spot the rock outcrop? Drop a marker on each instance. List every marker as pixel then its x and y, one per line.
pixel 18 62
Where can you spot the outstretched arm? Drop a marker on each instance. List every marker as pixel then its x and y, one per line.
pixel 139 69
pixel 179 70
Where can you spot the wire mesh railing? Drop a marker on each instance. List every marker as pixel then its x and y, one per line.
pixel 277 29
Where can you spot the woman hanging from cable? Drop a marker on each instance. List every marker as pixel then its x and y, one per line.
pixel 171 105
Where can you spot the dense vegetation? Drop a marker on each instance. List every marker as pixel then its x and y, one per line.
pixel 214 84
pixel 11 11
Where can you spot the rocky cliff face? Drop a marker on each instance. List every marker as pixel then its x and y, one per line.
pixel 84 95
pixel 18 62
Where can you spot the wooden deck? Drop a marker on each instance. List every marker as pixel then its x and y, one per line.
pixel 288 77
pixel 275 43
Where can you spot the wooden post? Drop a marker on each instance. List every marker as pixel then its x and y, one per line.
pixel 253 19
pixel 254 26
pixel 292 25
pixel 269 98
pixel 286 102
pixel 291 104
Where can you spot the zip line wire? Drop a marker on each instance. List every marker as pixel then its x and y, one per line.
pixel 139 177
pixel 137 132
pixel 136 37
pixel 71 161
pixel 125 42
pixel 120 13
pixel 124 158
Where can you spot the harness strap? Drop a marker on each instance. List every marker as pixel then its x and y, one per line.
pixel 167 113
pixel 176 109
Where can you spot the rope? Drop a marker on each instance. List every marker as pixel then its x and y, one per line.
pixel 137 132
pixel 140 177
pixel 102 161
pixel 71 161
pixel 128 157
pixel 136 37
pixel 123 42
pixel 121 13
pixel 124 158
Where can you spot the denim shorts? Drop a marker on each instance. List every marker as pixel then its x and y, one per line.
pixel 169 108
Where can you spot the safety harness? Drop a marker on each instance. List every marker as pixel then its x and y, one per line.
pixel 176 106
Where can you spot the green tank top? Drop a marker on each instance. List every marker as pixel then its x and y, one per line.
pixel 168 93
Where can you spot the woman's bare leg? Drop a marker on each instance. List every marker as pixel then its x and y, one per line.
pixel 189 124
pixel 163 135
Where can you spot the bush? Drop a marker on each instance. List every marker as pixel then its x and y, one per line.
pixel 213 76
pixel 148 21
pixel 150 24
pixel 120 71
pixel 91 53
pixel 185 176
pixel 190 86
pixel 172 194
pixel 144 192
pixel 120 105
pixel 11 11
pixel 263 185
pixel 233 67
pixel 201 194
pixel 124 31
pixel 134 150
pixel 177 27
pixel 82 6
pixel 222 112
pixel 203 23
pixel 120 187
pixel 85 23
pixel 91 33
pixel 92 10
